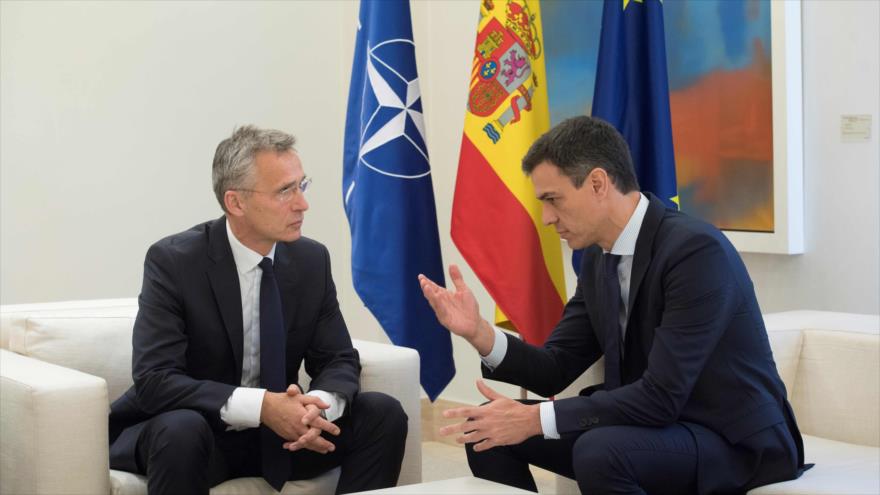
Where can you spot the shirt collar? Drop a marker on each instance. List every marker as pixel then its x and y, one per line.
pixel 246 259
pixel 625 245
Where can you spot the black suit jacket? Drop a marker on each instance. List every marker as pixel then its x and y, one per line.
pixel 187 338
pixel 696 352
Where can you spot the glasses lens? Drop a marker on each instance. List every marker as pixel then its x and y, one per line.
pixel 304 185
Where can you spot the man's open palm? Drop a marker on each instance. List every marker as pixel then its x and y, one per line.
pixel 458 311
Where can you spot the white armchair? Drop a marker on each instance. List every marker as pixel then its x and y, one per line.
pixel 63 363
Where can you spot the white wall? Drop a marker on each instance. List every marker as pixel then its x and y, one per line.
pixel 110 113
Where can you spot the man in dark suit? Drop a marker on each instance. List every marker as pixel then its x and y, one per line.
pixel 228 312
pixel 692 401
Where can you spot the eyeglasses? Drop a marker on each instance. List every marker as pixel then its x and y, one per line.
pixel 286 193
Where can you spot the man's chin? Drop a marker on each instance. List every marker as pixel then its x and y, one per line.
pixel 292 235
pixel 574 245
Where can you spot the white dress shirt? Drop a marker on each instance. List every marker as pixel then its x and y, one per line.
pixel 243 408
pixel 625 246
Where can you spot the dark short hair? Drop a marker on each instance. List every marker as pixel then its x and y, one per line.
pixel 578 145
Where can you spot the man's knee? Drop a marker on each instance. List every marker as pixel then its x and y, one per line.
pixel 182 434
pixel 174 451
pixel 381 411
pixel 479 461
pixel 596 460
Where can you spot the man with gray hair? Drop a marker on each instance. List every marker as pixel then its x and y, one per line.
pixel 228 312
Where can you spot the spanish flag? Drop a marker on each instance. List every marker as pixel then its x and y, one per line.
pixel 496 219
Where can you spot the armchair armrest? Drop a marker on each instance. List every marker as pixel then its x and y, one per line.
pixel 395 371
pixel 54 424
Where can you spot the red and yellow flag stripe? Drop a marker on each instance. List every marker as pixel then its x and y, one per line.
pixel 496 219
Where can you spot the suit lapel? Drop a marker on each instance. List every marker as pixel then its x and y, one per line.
pixel 642 255
pixel 633 362
pixel 286 274
pixel 224 282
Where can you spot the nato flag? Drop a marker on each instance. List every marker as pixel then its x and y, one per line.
pixel 387 190
pixel 632 92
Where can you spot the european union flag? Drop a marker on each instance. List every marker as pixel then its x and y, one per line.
pixel 387 190
pixel 632 92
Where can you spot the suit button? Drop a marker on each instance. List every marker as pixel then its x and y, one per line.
pixel 583 422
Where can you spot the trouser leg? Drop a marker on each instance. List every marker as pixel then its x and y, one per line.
pixel 509 465
pixel 174 451
pixel 636 460
pixel 615 459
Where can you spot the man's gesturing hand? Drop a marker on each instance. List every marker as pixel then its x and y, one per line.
pixel 503 421
pixel 292 416
pixel 458 311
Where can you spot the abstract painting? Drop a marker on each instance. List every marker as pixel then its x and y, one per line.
pixel 719 59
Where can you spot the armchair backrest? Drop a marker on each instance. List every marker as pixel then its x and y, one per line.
pixel 830 363
pixel 92 336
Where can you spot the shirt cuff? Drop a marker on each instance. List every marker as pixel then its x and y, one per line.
pixel 499 350
pixel 548 421
pixel 243 408
pixel 335 400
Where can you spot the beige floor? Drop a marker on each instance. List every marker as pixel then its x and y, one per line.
pixel 442 458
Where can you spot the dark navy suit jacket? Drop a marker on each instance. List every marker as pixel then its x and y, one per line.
pixel 187 338
pixel 696 352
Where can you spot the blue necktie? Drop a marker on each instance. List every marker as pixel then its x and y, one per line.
pixel 275 460
pixel 612 328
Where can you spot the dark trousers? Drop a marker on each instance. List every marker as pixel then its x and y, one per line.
pixel 612 459
pixel 179 453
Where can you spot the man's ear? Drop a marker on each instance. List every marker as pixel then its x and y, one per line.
pixel 233 202
pixel 599 181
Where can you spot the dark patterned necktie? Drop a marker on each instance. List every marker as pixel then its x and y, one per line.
pixel 612 327
pixel 275 460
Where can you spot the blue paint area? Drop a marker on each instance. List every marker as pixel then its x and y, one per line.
pixel 708 35
pixel 571 44
pixel 702 36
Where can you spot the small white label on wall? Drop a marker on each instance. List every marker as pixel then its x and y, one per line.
pixel 855 128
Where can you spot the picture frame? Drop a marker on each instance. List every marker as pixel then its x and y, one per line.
pixel 787 236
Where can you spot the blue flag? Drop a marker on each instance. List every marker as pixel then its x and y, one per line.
pixel 632 92
pixel 387 190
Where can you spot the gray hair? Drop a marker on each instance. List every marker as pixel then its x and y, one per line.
pixel 235 155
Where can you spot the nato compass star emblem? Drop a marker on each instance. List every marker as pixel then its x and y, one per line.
pixel 393 136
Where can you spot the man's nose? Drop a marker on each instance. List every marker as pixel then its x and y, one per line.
pixel 300 203
pixel 548 216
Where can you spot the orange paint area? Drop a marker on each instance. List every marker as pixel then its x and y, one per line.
pixel 723 138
